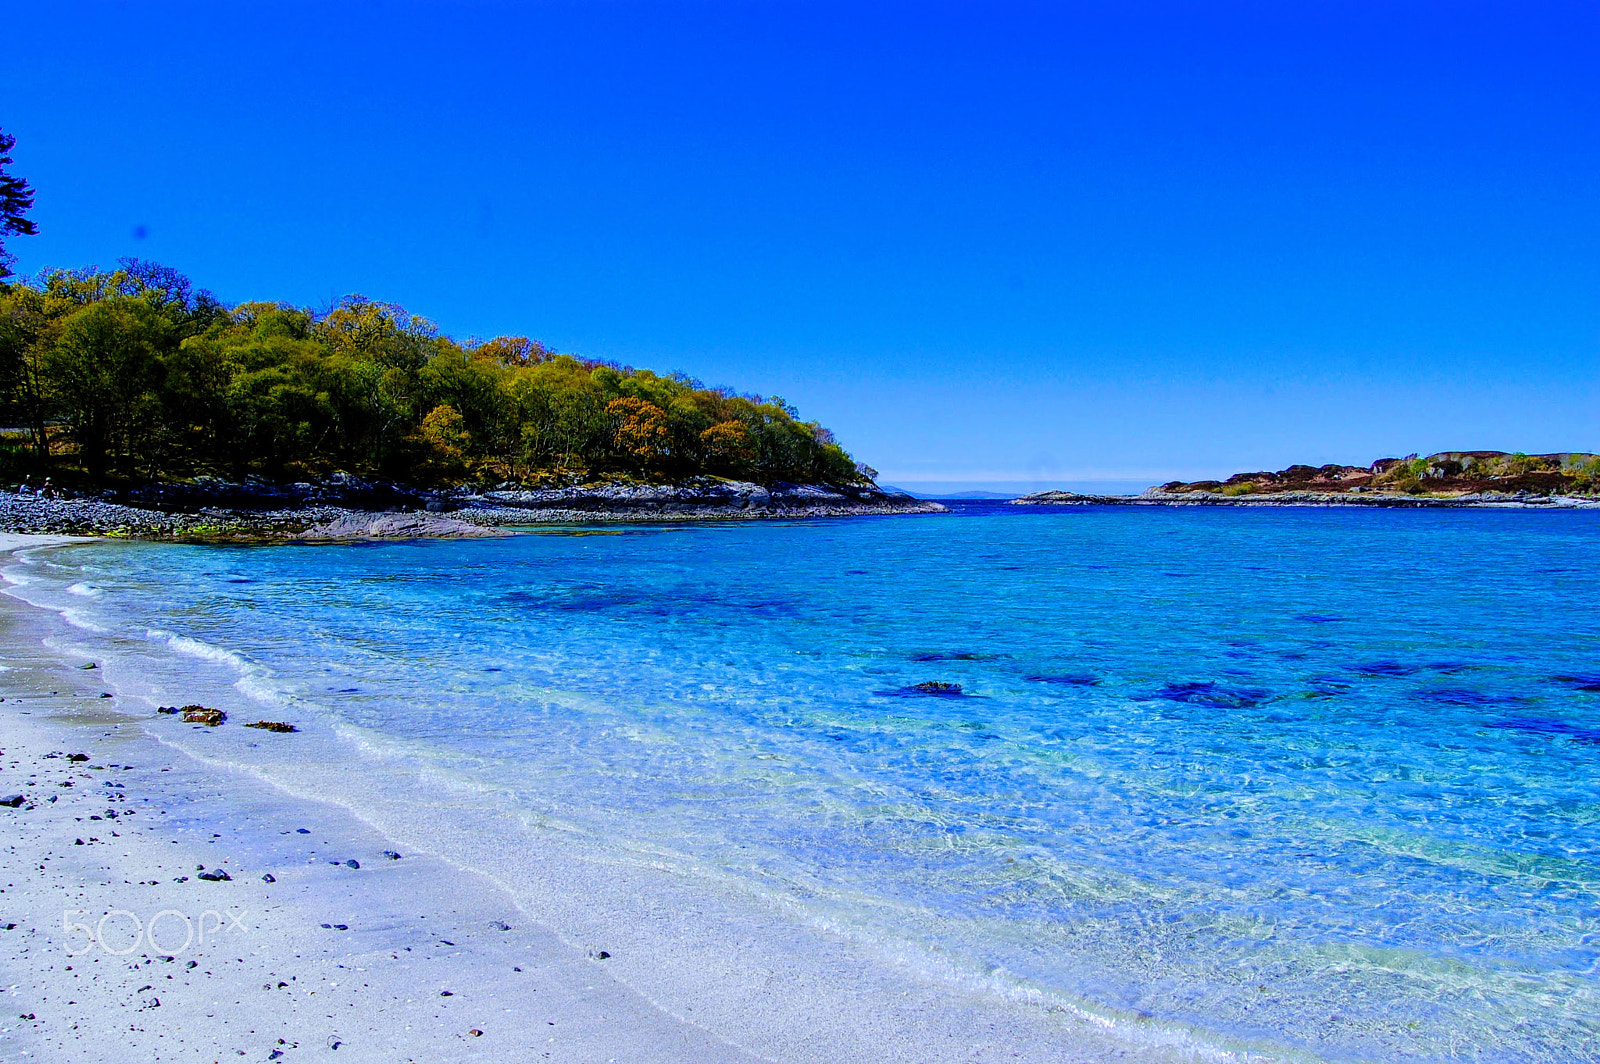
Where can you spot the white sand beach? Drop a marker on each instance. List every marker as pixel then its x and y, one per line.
pixel 331 931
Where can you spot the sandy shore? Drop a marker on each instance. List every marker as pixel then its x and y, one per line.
pixel 320 938
pixel 296 952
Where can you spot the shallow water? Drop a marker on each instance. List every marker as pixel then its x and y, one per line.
pixel 1323 780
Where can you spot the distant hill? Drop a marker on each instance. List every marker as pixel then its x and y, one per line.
pixel 976 496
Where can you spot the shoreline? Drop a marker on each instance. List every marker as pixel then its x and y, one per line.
pixel 682 979
pixel 31 515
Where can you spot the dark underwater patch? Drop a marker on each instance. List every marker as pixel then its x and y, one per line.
pixel 1546 726
pixel 1385 668
pixel 930 689
pixel 1580 681
pixel 1213 695
pixel 1464 697
pixel 956 655
pixel 577 601
pixel 1318 618
pixel 1071 679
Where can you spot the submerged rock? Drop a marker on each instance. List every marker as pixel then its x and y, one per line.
pixel 273 726
pixel 422 525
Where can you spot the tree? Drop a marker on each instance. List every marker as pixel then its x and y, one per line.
pixel 102 372
pixel 639 429
pixel 144 375
pixel 16 199
pixel 729 447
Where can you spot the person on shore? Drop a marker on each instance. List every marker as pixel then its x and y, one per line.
pixel 24 488
pixel 47 491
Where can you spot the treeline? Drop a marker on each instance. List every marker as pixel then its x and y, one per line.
pixel 133 374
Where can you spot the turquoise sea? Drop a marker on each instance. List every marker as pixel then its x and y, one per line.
pixel 1324 782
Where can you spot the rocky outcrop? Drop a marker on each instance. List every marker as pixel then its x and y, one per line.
pixel 703 498
pixel 1070 498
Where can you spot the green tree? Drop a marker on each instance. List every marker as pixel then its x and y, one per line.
pixel 101 375
pixel 16 200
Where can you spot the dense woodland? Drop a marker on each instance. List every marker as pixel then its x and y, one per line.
pixel 133 375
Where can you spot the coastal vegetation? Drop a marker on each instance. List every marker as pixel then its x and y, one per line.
pixel 133 375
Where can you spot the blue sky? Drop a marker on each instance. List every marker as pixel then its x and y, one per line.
pixel 988 244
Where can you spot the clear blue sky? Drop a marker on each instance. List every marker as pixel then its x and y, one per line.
pixel 985 243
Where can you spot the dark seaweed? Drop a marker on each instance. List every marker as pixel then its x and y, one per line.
pixel 931 689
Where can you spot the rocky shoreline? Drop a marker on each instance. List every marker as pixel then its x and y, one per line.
pixel 1518 500
pixel 347 508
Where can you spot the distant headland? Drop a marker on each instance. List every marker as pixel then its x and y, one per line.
pixel 1448 478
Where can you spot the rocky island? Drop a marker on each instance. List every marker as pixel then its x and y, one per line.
pixel 1445 479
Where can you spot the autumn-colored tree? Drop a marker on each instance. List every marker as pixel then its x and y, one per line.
pixel 639 429
pixel 728 447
